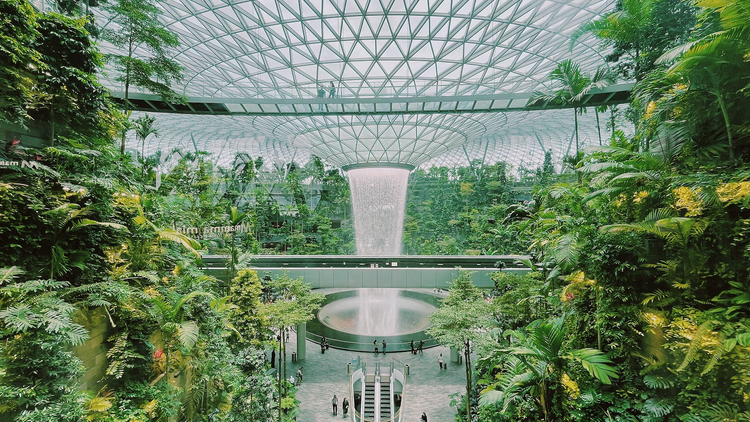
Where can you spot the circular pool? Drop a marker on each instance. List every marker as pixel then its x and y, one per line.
pixel 353 319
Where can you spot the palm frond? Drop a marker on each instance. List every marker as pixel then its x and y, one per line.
pixel 597 364
pixel 188 333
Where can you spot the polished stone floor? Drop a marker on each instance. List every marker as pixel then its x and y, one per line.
pixel 427 387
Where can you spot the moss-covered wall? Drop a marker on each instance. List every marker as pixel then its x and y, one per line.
pixel 93 353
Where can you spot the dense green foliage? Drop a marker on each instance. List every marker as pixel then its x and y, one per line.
pixel 465 210
pixel 635 306
pixel 637 309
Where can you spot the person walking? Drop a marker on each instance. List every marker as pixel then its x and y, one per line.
pixel 421 347
pixel 345 406
pixel 376 347
pixel 424 417
pixel 384 345
pixel 332 90
pixel 335 403
pixel 440 361
pixel 299 376
pixel 413 351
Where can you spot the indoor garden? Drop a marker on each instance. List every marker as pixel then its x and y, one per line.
pixel 631 299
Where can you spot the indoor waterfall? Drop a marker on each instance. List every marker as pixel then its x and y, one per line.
pixel 378 202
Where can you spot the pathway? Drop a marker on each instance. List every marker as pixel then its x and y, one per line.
pixel 427 387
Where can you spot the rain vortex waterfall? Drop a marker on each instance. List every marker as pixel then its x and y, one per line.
pixel 378 202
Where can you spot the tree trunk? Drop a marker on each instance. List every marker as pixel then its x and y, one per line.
pixel 575 120
pixel 575 166
pixel 598 126
pixel 52 118
pixel 544 400
pixel 279 371
pixel 467 356
pixel 127 90
pixel 726 123
pixel 598 322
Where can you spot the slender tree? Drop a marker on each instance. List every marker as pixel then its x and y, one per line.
pixel 462 319
pixel 294 304
pixel 145 44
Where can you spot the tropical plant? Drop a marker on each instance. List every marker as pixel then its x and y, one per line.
pixel 168 310
pixel 572 86
pixel 144 127
pixel 66 220
pixel 536 364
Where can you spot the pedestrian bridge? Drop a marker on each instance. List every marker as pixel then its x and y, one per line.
pixel 353 271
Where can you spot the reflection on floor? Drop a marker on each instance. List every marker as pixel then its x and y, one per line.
pixel 427 387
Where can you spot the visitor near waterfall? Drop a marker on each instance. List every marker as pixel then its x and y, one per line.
pixel 421 347
pixel 345 406
pixel 440 361
pixel 376 346
pixel 424 417
pixel 384 346
pixel 413 352
pixel 335 403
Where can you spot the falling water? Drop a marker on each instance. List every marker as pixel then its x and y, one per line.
pixel 379 202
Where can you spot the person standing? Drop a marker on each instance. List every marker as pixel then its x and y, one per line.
pixel 440 361
pixel 421 347
pixel 332 90
pixel 424 417
pixel 384 345
pixel 321 94
pixel 413 351
pixel 335 403
pixel 376 347
pixel 345 406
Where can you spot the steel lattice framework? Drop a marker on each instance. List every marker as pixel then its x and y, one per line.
pixel 366 51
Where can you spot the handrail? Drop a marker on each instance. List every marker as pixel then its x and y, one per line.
pixel 393 403
pixel 377 394
pixel 359 373
pixel 398 417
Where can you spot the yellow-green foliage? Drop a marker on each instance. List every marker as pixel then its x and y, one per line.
pixel 245 293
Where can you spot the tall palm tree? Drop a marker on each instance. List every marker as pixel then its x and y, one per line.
pixel 144 127
pixel 571 85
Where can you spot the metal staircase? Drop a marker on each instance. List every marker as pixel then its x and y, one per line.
pixel 368 401
pixel 385 398
pixel 373 394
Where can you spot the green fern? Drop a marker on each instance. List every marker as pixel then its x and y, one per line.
pixel 9 274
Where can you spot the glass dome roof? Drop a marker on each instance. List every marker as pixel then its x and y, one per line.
pixel 290 49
